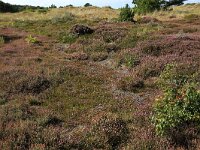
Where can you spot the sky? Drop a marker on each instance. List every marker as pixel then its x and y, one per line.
pixel 112 3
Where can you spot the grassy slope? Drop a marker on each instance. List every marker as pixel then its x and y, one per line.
pixel 52 96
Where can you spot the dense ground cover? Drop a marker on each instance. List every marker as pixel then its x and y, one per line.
pixel 96 91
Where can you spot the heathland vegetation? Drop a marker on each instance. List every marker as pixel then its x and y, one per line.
pixel 100 78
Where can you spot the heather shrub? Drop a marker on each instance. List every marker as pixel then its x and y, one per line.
pixel 150 68
pixel 178 108
pixel 35 102
pixel 99 56
pixel 33 85
pixel 20 82
pixel 130 84
pixel 109 132
pixel 96 46
pixel 151 49
pixel 129 60
pixel 126 14
pixel 110 33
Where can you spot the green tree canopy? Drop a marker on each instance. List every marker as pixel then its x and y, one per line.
pixel 126 14
pixel 146 6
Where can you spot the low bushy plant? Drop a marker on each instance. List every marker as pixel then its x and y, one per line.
pixel 126 14
pixel 68 38
pixel 179 106
pixel 130 84
pixel 63 18
pixel 129 60
pixel 99 56
pixel 109 132
pixel 30 39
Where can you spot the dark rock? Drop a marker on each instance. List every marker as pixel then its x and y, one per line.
pixel 81 30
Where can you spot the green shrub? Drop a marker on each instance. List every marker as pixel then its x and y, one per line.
pixel 171 77
pixel 178 106
pixel 68 38
pixel 151 49
pixel 126 14
pixel 30 39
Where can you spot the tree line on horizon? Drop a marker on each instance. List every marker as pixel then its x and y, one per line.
pixel 6 7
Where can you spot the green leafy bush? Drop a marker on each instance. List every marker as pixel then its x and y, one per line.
pixel 126 14
pixel 179 105
pixel 68 38
pixel 30 39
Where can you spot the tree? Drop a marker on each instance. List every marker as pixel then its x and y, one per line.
pixel 126 14
pixel 53 6
pixel 87 5
pixel 6 7
pixel 146 6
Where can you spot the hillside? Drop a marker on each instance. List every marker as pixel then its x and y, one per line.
pixel 60 90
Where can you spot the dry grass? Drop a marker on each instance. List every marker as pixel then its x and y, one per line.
pixel 91 13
